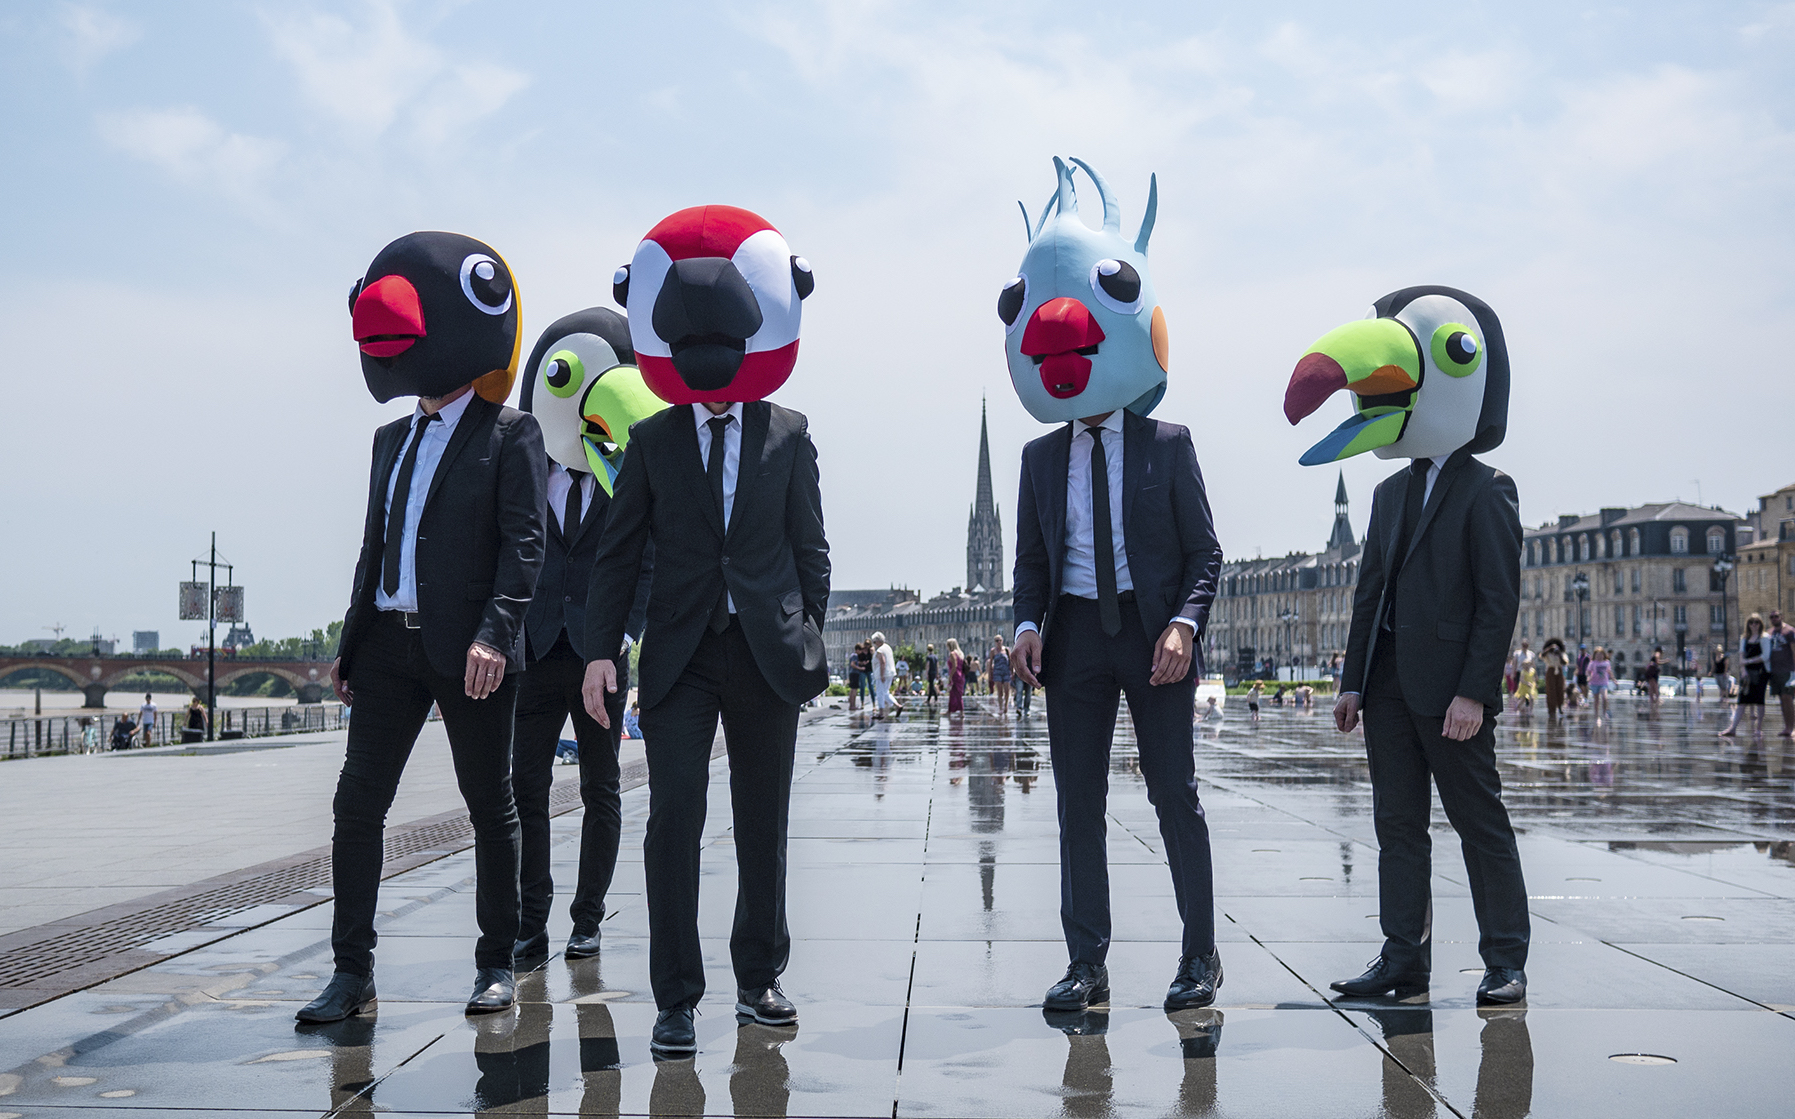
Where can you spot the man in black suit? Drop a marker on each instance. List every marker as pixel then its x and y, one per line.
pixel 583 387
pixel 1439 588
pixel 451 547
pixel 1116 567
pixel 727 490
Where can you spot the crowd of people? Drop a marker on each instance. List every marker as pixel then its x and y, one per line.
pixel 877 678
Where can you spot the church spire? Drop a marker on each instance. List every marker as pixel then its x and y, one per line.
pixel 984 529
pixel 1342 534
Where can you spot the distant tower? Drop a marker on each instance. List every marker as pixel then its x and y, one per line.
pixel 1342 534
pixel 984 531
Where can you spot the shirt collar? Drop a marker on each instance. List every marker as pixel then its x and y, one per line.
pixel 1112 423
pixel 702 415
pixel 449 414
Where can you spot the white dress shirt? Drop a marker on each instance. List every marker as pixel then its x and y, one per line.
pixel 732 456
pixel 560 480
pixel 430 452
pixel 1078 576
pixel 1433 475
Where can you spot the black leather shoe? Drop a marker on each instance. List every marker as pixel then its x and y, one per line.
pixel 495 988
pixel 1084 985
pixel 675 1034
pixel 530 952
pixel 1197 981
pixel 1382 979
pixel 1501 986
pixel 582 945
pixel 345 995
pixel 766 1005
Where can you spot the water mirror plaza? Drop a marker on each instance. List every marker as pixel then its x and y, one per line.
pixel 924 909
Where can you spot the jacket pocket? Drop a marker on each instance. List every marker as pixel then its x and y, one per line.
pixel 479 592
pixel 1453 631
pixel 791 602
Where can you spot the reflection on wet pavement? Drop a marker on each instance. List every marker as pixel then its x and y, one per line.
pixel 924 905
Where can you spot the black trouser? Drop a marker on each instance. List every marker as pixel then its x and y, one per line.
pixel 394 687
pixel 1404 748
pixel 547 695
pixel 761 730
pixel 1086 673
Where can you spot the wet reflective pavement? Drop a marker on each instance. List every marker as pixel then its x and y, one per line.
pixel 1660 860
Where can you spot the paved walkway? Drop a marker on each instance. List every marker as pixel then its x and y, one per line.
pixel 924 907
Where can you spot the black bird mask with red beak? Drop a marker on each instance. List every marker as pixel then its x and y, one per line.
pixel 436 311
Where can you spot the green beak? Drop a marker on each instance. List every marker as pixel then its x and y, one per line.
pixel 618 398
pixel 1380 362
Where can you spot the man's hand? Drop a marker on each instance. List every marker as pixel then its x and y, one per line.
pixel 1346 712
pixel 1025 656
pixel 1463 719
pixel 601 681
pixel 1171 655
pixel 485 670
pixel 340 683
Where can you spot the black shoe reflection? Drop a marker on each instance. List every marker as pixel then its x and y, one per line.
pixel 1199 1039
pixel 351 1060
pixel 1409 1037
pixel 511 1052
pixel 760 1081
pixel 601 1064
pixel 1088 1083
pixel 677 1093
pixel 1505 1074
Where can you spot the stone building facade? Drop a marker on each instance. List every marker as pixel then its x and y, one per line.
pixel 1765 578
pixel 1651 577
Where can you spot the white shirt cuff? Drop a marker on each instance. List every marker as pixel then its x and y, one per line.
pixel 1187 621
pixel 1022 628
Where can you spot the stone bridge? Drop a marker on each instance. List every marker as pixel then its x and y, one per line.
pixel 96 676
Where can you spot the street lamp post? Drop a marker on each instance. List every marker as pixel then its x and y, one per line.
pixel 1580 588
pixel 1288 617
pixel 1723 567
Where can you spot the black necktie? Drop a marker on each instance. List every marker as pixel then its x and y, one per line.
pixel 395 513
pixel 570 512
pixel 1413 501
pixel 1109 611
pixel 713 469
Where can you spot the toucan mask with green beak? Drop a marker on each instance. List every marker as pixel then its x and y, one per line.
pixel 1428 373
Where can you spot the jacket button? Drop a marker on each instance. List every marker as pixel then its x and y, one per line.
pixel 566 598
pixel 725 561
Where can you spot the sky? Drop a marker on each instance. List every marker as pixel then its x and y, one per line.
pixel 189 189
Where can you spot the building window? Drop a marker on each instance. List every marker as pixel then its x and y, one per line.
pixel 1632 541
pixel 1620 621
pixel 1601 547
pixel 1678 582
pixel 1717 617
pixel 1635 619
pixel 1619 576
pixel 1679 541
pixel 1716 541
pixel 1583 547
pixel 1614 543
pixel 1681 617
pixel 1635 578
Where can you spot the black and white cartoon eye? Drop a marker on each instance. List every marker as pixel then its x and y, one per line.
pixel 620 285
pixel 1117 286
pixel 486 284
pixel 802 277
pixel 1010 302
pixel 355 290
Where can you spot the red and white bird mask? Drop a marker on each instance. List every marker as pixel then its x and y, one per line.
pixel 714 296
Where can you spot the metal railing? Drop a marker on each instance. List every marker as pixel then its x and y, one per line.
pixel 33 735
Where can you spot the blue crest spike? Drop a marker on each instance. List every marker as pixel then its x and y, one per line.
pixel 1046 208
pixel 1067 196
pixel 1112 210
pixel 1147 219
pixel 1026 228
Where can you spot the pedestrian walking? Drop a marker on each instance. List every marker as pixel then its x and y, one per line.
pixel 1552 656
pixel 999 659
pixel 1754 677
pixel 855 678
pixel 884 676
pixel 1780 667
pixel 1254 695
pixel 1583 672
pixel 1600 674
pixel 1723 680
pixel 146 720
pixel 932 672
pixel 956 678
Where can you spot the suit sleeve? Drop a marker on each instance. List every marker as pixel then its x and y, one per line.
pixel 1493 550
pixel 523 500
pixel 617 569
pixel 1030 577
pixel 361 562
pixel 804 528
pixel 1196 535
pixel 638 611
pixel 1366 596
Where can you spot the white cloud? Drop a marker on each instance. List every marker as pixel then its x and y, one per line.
pixel 195 150
pixel 93 34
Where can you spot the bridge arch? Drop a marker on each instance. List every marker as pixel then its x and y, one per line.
pixel 61 669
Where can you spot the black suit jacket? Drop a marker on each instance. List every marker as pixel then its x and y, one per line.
pixel 1173 557
pixel 479 540
pixel 1457 593
pixel 560 600
pixel 774 558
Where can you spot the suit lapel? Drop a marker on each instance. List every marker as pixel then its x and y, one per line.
pixel 1393 524
pixel 595 510
pixel 1135 463
pixel 477 415
pixel 1059 459
pixel 1448 473
pixel 393 438
pixel 691 468
pixel 757 416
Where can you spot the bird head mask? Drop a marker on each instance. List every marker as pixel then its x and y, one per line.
pixel 583 387
pixel 434 312
pixel 1084 331
pixel 714 295
pixel 1428 370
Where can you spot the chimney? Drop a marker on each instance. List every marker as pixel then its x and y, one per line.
pixel 1610 515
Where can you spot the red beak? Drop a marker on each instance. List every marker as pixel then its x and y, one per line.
pixel 1317 377
pixel 1056 333
pixel 388 317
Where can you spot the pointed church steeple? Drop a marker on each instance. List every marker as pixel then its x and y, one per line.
pixel 1342 534
pixel 984 530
